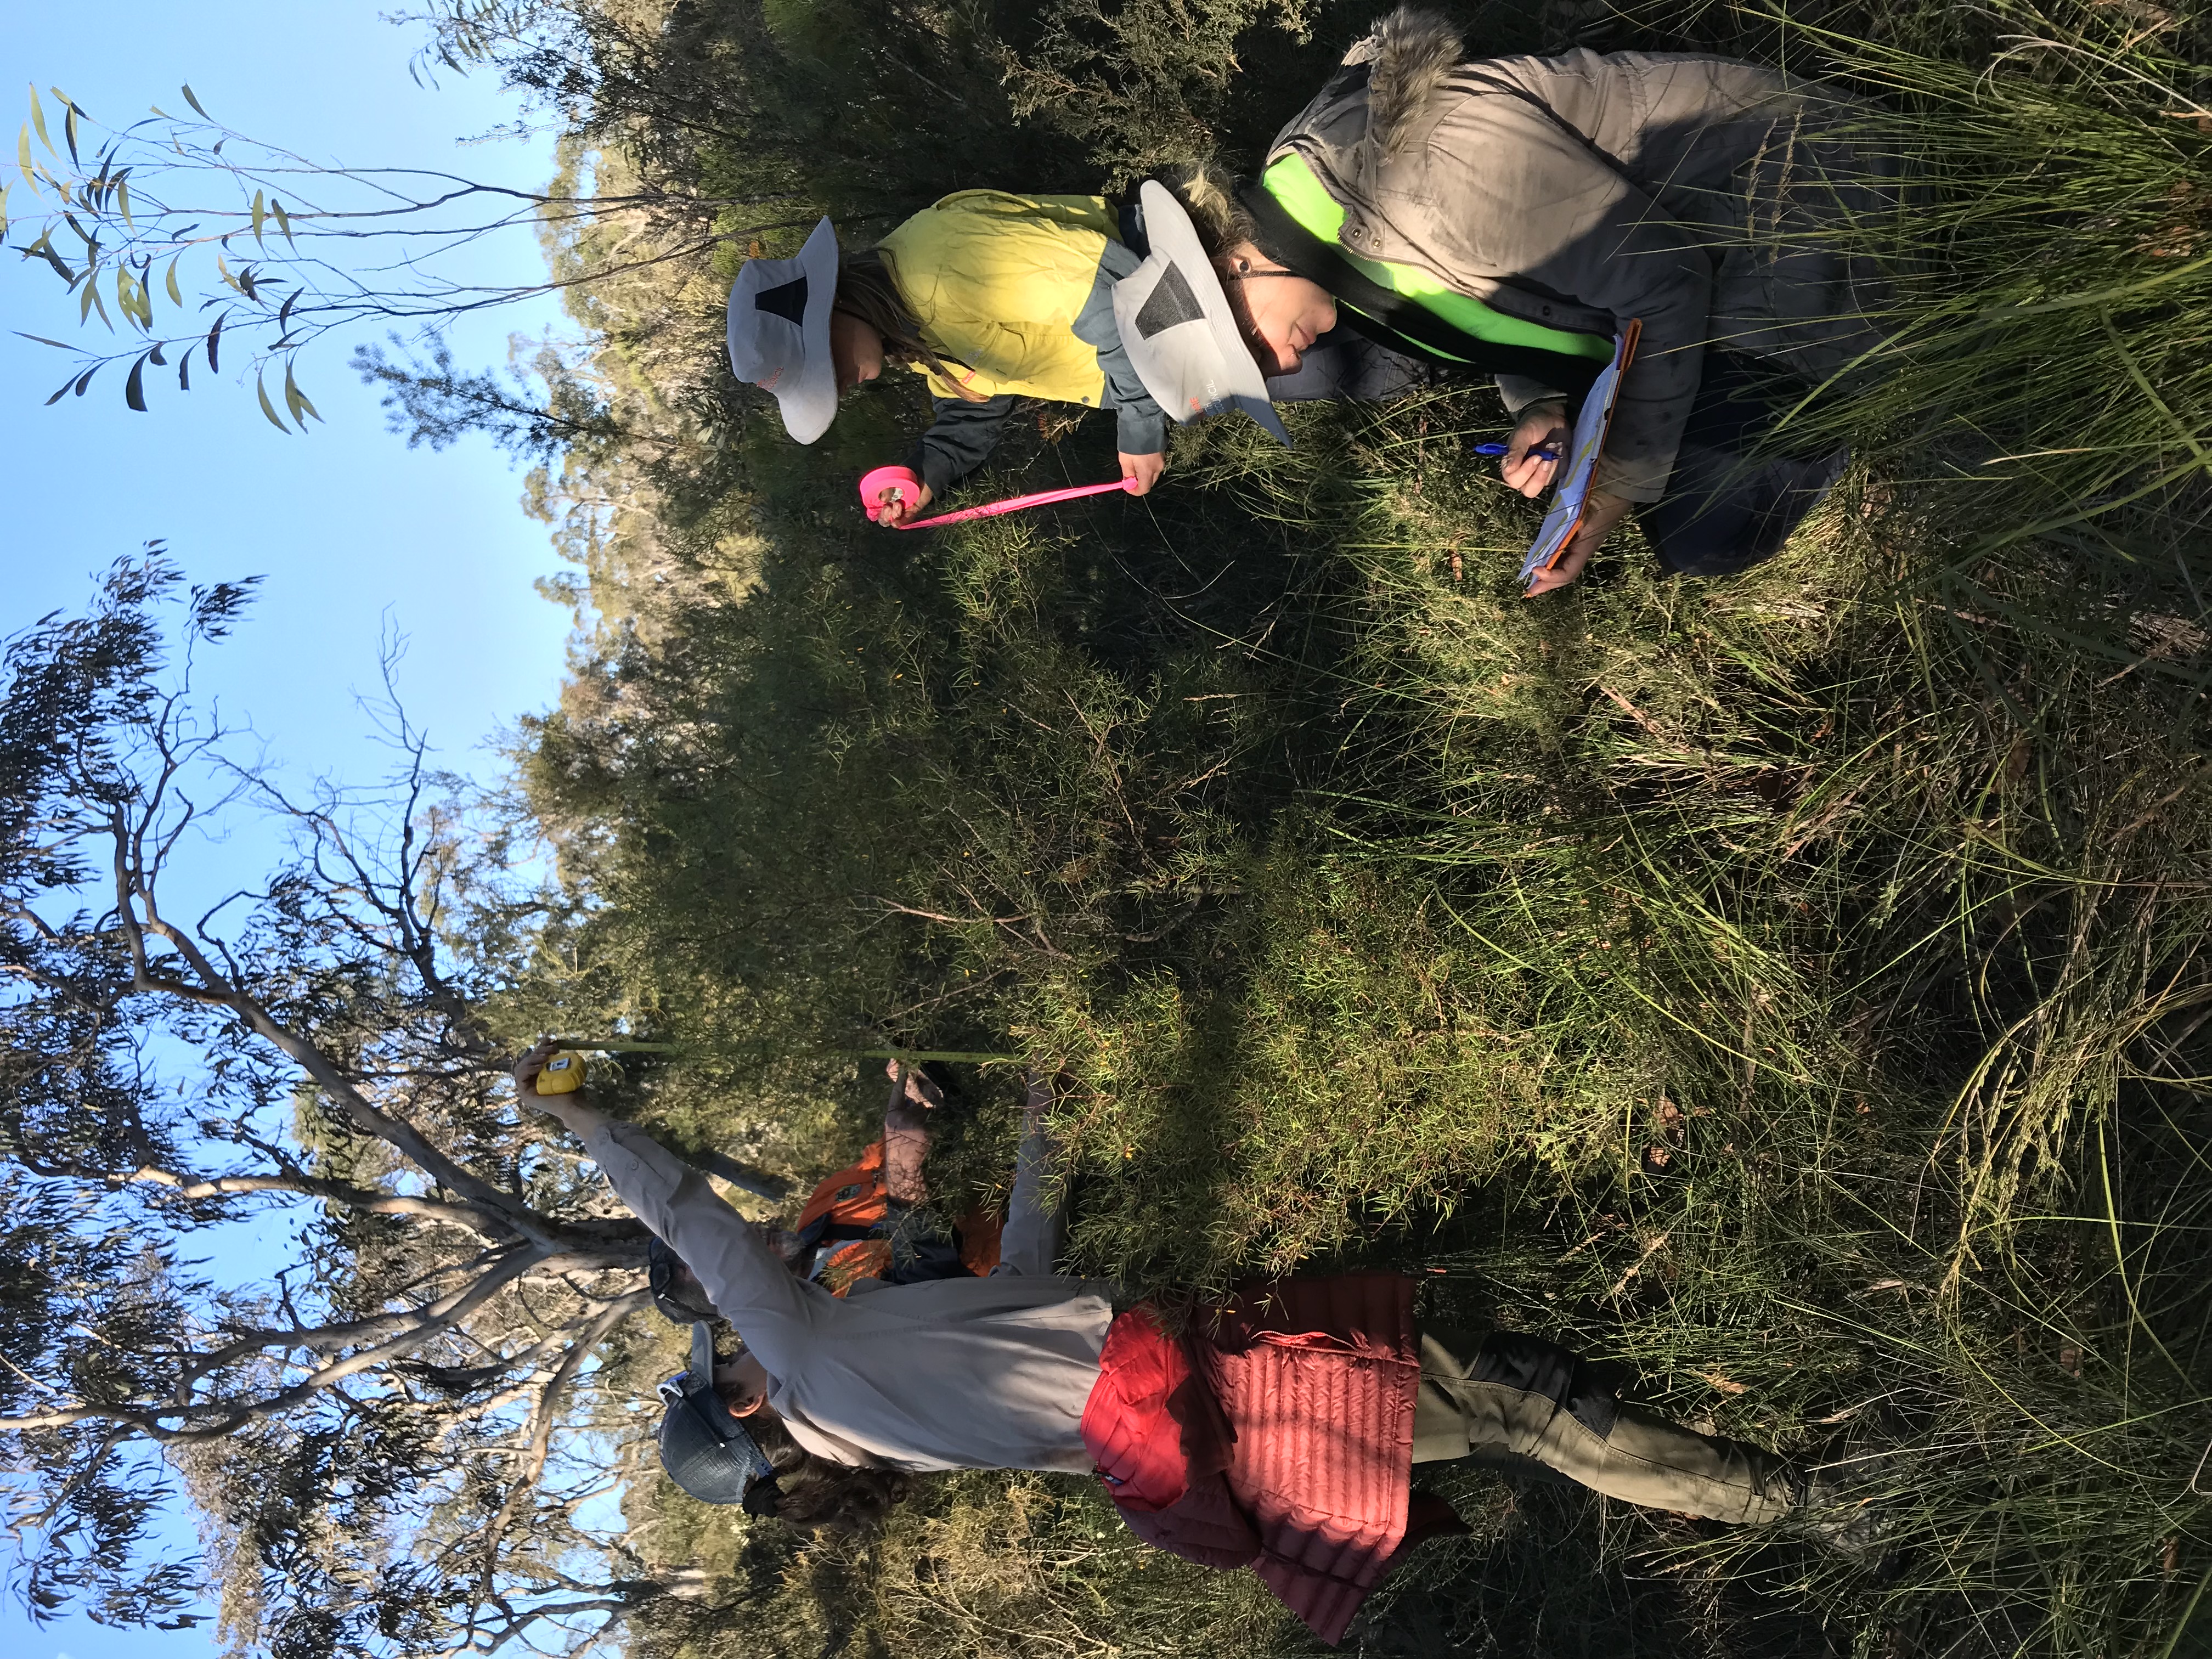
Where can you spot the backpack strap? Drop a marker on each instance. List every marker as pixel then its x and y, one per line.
pixel 1391 319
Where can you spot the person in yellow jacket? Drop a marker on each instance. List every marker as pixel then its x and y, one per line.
pixel 990 296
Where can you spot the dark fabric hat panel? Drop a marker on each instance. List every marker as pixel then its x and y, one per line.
pixel 785 299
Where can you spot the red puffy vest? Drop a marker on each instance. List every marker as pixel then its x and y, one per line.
pixel 1279 1434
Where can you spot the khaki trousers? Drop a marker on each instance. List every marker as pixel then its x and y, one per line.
pixel 1505 1397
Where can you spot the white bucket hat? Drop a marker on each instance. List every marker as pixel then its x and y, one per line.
pixel 779 333
pixel 1178 326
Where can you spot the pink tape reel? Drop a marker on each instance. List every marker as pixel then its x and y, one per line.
pixel 883 479
pixel 874 485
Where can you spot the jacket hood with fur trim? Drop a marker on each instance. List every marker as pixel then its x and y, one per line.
pixel 1408 55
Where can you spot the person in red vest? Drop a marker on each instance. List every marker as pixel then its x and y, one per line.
pixel 1281 1431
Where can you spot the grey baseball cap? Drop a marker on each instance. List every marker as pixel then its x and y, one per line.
pixel 779 333
pixel 1178 328
pixel 705 1451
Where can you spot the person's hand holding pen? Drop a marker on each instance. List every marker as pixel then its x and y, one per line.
pixel 1532 462
pixel 1532 453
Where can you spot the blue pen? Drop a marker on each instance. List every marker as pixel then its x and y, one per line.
pixel 1546 452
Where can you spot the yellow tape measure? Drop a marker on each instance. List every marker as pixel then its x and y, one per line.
pixel 563 1074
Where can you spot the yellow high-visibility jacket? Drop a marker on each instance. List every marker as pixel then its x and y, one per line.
pixel 1018 291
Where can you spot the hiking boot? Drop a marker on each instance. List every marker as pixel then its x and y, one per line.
pixel 1842 1523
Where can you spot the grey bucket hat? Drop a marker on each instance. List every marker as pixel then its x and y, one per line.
pixel 1178 326
pixel 779 333
pixel 704 1449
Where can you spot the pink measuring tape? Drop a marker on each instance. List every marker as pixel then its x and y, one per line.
pixel 886 479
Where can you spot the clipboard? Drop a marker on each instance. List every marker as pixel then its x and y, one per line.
pixel 1579 464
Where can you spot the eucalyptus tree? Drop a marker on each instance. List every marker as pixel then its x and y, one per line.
pixel 385 1402
pixel 186 248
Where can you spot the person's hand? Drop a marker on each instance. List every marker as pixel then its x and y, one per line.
pixel 1144 469
pixel 571 1109
pixel 911 1083
pixel 1601 512
pixel 894 510
pixel 1540 424
pixel 527 1069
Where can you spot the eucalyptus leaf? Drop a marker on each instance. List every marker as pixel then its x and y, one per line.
pixel 195 103
pixel 269 409
pixel 176 294
pixel 297 400
pixel 134 387
pixel 45 249
pixel 38 120
pixel 260 213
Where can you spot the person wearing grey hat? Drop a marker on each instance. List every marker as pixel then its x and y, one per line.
pixel 705 1448
pixel 993 298
pixel 721 1443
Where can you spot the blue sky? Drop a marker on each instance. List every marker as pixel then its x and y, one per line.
pixel 351 530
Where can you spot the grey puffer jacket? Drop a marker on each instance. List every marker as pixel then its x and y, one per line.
pixel 1693 193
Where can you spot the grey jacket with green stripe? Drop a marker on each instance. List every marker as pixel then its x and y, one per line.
pixel 1696 194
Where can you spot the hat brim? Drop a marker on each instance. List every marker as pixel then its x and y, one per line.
pixel 810 403
pixel 805 392
pixel 1203 366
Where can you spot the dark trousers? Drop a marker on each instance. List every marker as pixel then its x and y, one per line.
pixel 1731 501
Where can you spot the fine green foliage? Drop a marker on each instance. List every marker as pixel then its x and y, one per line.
pixel 1790 990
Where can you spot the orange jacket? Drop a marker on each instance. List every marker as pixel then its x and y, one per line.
pixel 848 1222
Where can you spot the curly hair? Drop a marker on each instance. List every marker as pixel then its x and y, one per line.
pixel 1208 194
pixel 818 1494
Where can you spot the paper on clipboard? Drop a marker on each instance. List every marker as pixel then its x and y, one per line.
pixel 1579 465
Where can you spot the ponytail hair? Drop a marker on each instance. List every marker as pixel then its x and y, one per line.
pixel 867 290
pixel 815 1493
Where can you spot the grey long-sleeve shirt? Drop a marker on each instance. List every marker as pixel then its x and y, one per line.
pixel 954 1373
